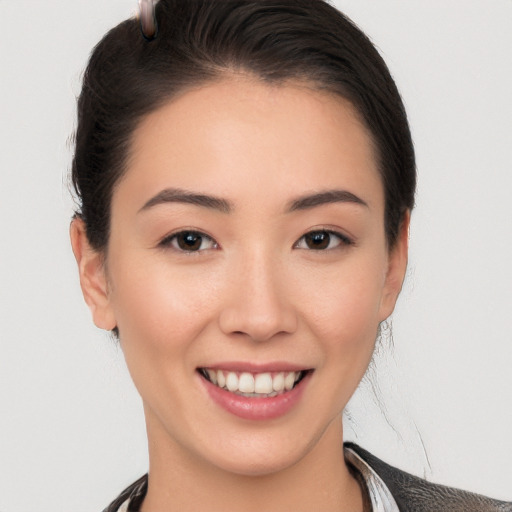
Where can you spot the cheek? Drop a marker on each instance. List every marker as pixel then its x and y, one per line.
pixel 344 314
pixel 158 306
pixel 348 333
pixel 348 299
pixel 160 313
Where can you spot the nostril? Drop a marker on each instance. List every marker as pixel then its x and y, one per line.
pixel 255 327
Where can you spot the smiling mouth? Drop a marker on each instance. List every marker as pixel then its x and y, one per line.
pixel 253 385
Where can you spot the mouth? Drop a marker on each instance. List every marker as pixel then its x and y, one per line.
pixel 254 385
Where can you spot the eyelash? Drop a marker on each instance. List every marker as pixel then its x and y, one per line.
pixel 343 240
pixel 173 240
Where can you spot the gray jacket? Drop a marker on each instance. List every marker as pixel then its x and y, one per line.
pixel 412 494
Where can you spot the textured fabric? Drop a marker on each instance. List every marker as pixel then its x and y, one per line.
pixel 381 499
pixel 131 498
pixel 413 494
pixel 389 490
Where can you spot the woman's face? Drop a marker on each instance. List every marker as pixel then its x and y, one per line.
pixel 247 244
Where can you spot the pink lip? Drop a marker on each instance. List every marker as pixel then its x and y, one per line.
pixel 256 409
pixel 240 367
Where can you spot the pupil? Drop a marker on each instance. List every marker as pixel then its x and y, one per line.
pixel 318 240
pixel 189 242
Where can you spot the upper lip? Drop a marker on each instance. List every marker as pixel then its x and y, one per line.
pixel 251 367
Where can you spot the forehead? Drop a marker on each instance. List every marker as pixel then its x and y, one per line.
pixel 241 134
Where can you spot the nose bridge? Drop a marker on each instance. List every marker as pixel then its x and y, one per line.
pixel 259 303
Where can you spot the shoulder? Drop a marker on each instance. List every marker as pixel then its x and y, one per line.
pixel 412 493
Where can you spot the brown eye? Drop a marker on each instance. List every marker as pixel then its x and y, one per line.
pixel 322 240
pixel 319 240
pixel 190 241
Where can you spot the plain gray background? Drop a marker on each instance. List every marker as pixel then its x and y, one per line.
pixel 71 426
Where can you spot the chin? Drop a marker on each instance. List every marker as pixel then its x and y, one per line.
pixel 258 465
pixel 262 453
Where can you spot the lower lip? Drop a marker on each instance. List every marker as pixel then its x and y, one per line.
pixel 256 408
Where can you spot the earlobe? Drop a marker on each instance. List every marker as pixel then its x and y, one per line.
pixel 93 279
pixel 397 266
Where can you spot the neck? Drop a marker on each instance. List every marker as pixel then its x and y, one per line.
pixel 319 481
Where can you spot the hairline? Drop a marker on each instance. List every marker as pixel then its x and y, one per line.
pixel 223 74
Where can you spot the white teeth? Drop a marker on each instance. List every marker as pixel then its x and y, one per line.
pixel 221 379
pixel 212 375
pixel 289 381
pixel 278 382
pixel 246 383
pixel 263 383
pixel 254 385
pixel 232 381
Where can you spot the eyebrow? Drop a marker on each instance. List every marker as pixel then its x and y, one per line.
pixel 176 195
pixel 326 197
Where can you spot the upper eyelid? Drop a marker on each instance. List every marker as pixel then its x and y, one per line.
pixel 167 239
pixel 347 239
pixel 186 230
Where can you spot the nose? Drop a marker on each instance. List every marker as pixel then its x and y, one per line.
pixel 258 300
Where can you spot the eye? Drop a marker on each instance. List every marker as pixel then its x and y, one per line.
pixel 189 241
pixel 322 240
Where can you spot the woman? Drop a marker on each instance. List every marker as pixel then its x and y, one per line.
pixel 246 177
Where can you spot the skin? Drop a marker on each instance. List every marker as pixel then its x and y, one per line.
pixel 254 292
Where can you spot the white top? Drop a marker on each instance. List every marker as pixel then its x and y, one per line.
pixel 124 506
pixel 380 496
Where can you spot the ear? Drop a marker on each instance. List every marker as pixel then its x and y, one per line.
pixel 397 266
pixel 93 279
